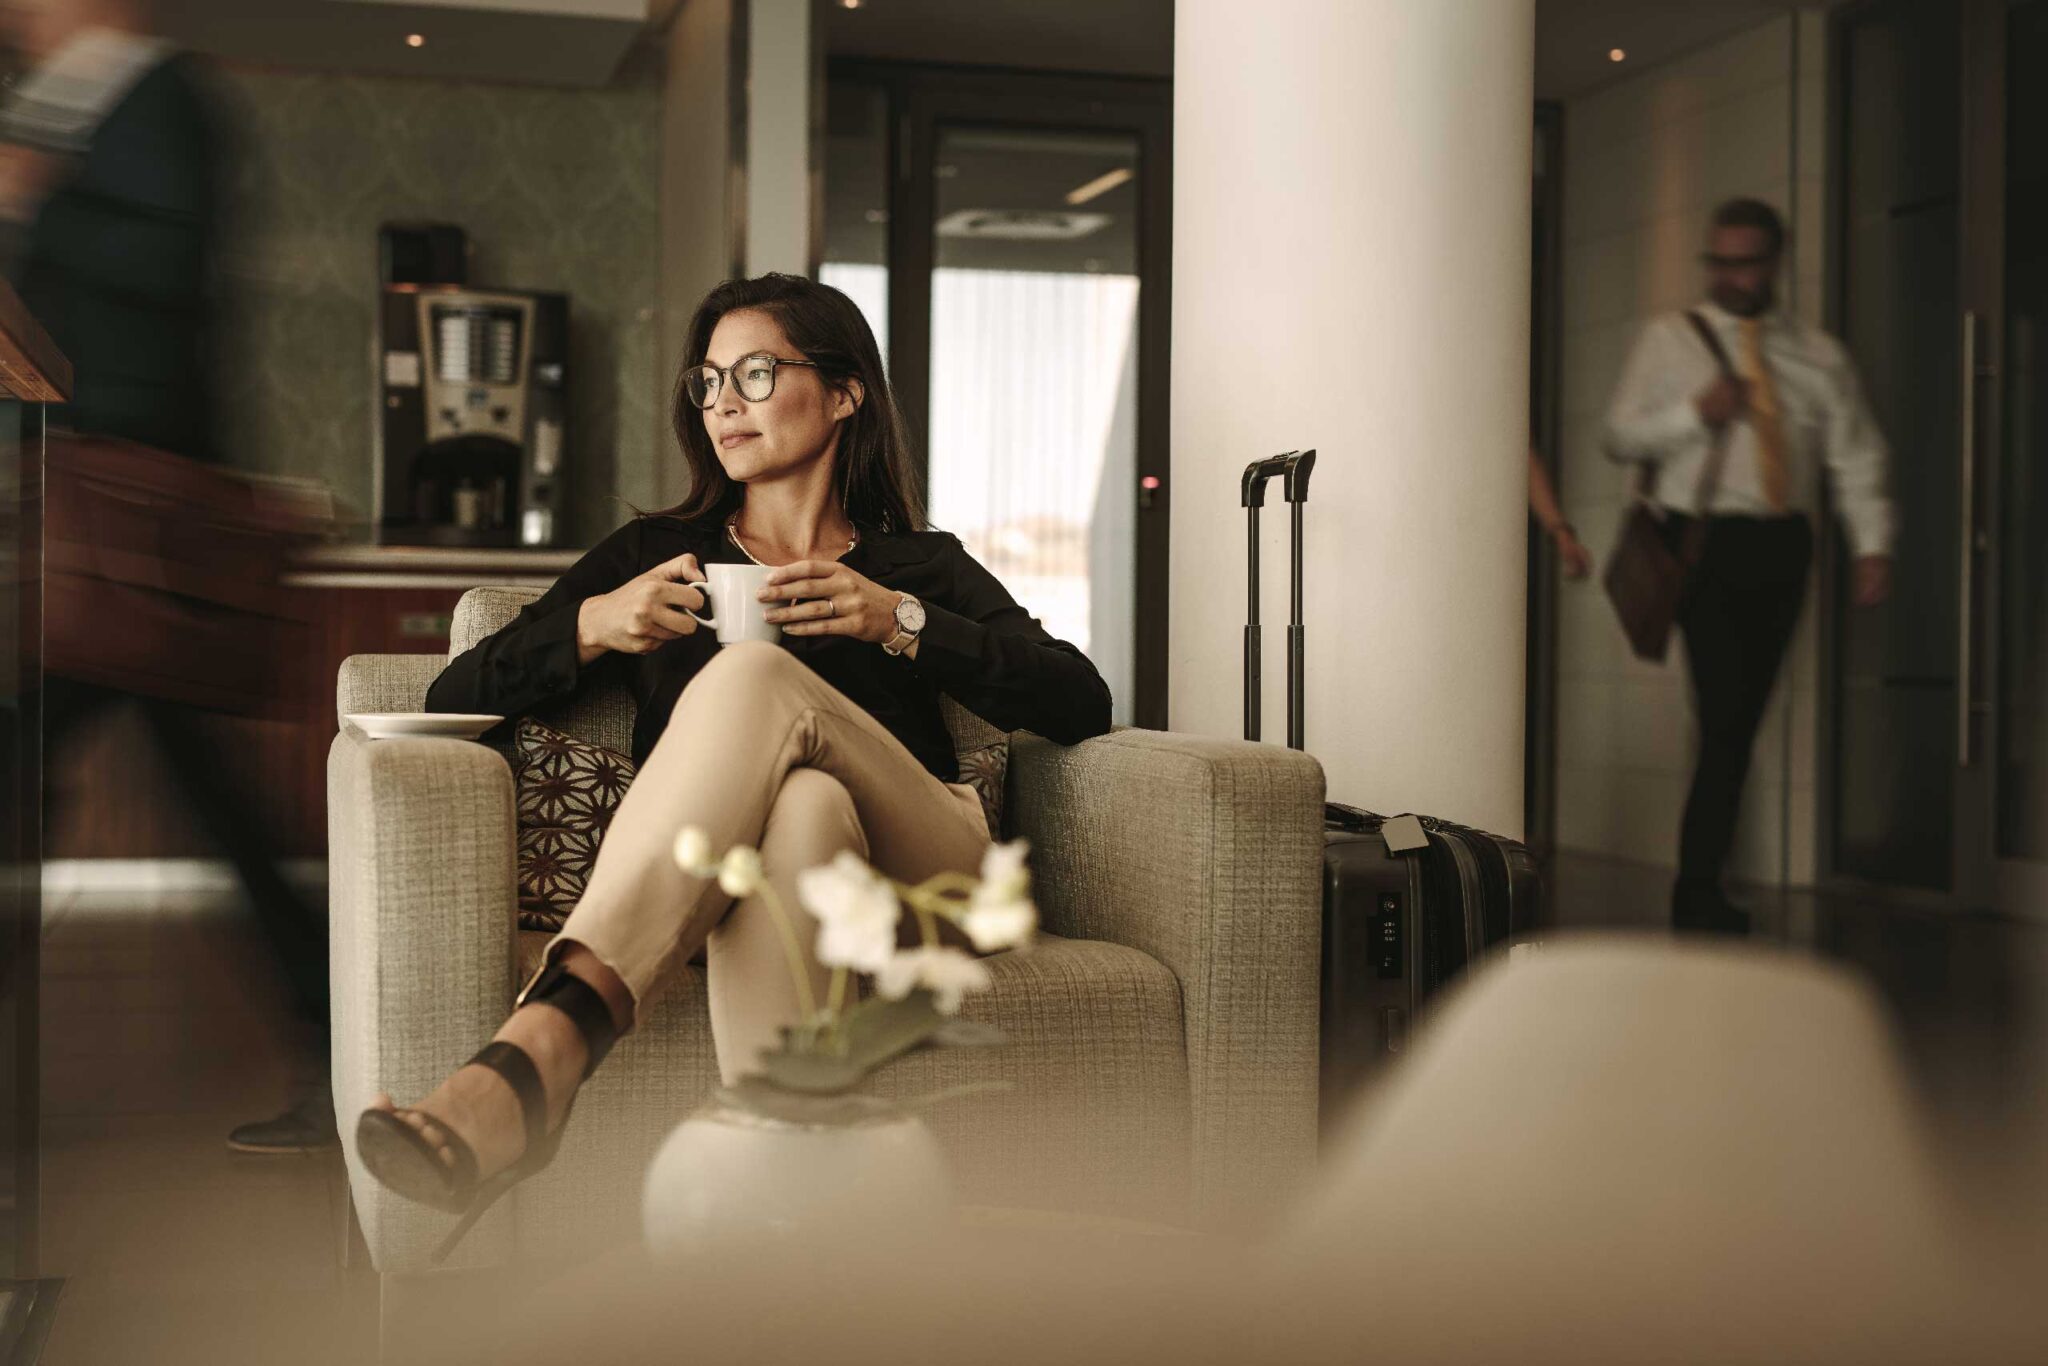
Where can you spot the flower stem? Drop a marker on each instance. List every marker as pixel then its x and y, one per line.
pixel 837 998
pixel 939 884
pixel 923 901
pixel 790 948
pixel 926 924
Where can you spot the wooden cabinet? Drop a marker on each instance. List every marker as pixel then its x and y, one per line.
pixel 116 795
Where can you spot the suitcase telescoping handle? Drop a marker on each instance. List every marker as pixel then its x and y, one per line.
pixel 1294 468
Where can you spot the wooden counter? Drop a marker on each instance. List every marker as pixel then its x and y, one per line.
pixel 411 566
pixel 362 599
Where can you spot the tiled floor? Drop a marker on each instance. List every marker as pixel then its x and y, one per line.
pixel 1969 993
pixel 163 1027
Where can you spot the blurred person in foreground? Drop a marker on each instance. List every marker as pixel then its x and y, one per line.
pixel 107 193
pixel 106 182
pixel 1785 402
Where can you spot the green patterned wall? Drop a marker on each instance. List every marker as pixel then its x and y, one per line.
pixel 557 191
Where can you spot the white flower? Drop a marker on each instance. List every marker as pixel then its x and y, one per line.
pixel 740 874
pixel 693 851
pixel 999 914
pixel 947 973
pixel 999 925
pixel 856 911
pixel 1002 870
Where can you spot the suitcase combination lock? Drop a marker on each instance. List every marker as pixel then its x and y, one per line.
pixel 1387 955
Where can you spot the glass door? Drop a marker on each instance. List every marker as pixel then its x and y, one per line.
pixel 21 773
pixel 1895 668
pixel 1034 373
pixel 1007 234
pixel 857 182
pixel 2009 770
pixel 1939 771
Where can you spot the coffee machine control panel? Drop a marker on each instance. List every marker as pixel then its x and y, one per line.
pixel 474 394
pixel 477 366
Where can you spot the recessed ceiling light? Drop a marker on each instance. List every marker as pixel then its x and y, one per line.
pixel 1101 185
pixel 415 40
pixel 849 4
pixel 1615 54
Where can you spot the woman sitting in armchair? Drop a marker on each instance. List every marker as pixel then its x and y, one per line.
pixel 831 740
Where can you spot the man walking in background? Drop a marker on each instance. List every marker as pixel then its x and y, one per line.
pixel 1778 400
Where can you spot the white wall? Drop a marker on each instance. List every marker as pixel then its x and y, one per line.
pixel 1351 272
pixel 1645 161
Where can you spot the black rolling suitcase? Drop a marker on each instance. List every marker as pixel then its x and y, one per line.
pixel 1408 901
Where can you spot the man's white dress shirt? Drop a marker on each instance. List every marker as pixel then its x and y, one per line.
pixel 1825 419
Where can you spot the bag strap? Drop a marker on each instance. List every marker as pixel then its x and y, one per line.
pixel 1717 456
pixel 1712 340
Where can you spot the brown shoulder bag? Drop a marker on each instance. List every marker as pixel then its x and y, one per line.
pixel 1646 575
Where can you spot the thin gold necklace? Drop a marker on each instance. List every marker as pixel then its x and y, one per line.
pixel 732 530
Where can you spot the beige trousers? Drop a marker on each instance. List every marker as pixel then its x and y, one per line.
pixel 761 751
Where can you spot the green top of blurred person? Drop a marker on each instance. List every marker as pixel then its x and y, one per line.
pixel 106 176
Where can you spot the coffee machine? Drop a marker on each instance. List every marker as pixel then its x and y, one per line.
pixel 472 398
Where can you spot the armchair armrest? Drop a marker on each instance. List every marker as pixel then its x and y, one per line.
pixel 1207 855
pixel 421 932
pixel 377 683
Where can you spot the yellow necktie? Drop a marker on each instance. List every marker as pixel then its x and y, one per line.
pixel 1764 417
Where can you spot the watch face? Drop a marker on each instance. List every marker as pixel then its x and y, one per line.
pixel 910 615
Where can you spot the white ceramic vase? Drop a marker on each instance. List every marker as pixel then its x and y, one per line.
pixel 821 1169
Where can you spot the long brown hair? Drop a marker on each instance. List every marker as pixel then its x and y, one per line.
pixel 877 486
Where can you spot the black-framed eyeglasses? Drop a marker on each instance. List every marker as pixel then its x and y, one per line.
pixel 753 376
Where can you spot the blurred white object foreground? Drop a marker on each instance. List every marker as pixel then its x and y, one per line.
pixel 1621 1149
pixel 1611 1151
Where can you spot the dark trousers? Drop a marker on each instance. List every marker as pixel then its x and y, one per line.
pixel 1739 612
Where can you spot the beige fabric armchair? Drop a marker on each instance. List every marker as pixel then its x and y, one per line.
pixel 1162 1036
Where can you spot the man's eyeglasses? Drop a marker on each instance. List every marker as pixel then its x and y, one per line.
pixel 1713 262
pixel 753 376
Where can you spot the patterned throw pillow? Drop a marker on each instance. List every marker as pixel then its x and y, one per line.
pixel 983 770
pixel 567 790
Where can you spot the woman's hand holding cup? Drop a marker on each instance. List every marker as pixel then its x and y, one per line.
pixel 830 600
pixel 642 614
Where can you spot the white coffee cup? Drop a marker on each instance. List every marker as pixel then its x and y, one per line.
pixel 731 592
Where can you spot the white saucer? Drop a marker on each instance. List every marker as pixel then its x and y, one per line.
pixel 391 725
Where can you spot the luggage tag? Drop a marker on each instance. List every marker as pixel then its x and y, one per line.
pixel 1404 835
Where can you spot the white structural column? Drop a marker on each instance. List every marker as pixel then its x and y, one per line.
pixel 702 170
pixel 737 175
pixel 780 96
pixel 1351 265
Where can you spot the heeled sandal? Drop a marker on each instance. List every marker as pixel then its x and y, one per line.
pixel 410 1164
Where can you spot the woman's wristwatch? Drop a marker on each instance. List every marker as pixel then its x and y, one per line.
pixel 909 622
